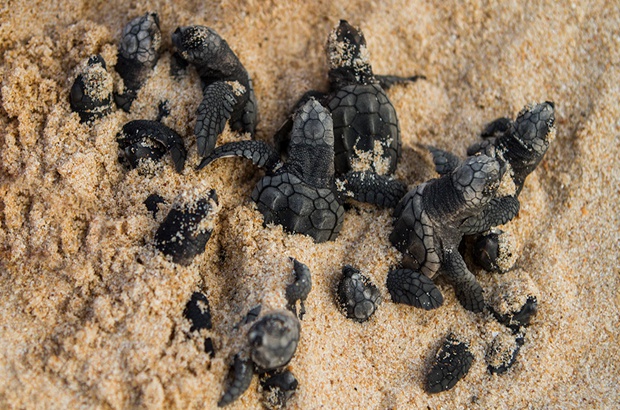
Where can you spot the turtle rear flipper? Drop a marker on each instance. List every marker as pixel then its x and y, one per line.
pixel 372 188
pixel 213 112
pixel 497 212
pixel 387 81
pixel 468 290
pixel 445 162
pixel 261 154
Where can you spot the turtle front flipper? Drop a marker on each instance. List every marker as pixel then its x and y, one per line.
pixel 496 128
pixel 497 212
pixel 261 154
pixel 468 290
pixel 387 81
pixel 215 109
pixel 445 162
pixel 380 190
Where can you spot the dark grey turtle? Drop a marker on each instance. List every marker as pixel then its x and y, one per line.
pixel 429 224
pixel 145 140
pixel 300 194
pixel 273 340
pixel 226 85
pixel 299 289
pixel 138 52
pixel 452 362
pixel 366 131
pixel 184 232
pixel 241 374
pixel 519 146
pixel 358 297
pixel 91 92
pixel 277 389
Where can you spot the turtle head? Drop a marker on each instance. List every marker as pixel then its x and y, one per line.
pixel 535 125
pixel 529 139
pixel 202 47
pixel 311 150
pixel 349 60
pixel 477 179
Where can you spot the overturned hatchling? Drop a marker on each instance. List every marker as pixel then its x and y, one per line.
pixel 272 341
pixel 138 52
pixel 146 140
pixel 366 130
pixel 184 232
pixel 299 194
pixel 91 92
pixel 429 224
pixel 227 89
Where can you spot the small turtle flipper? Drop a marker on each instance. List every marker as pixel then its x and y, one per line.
pixel 242 372
pixel 380 190
pixel 387 81
pixel 213 112
pixel 496 128
pixel 413 288
pixel 468 290
pixel 497 212
pixel 261 154
pixel 445 162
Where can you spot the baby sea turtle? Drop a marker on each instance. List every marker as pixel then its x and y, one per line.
pixel 91 92
pixel 227 89
pixel 138 52
pixel 429 224
pixel 184 232
pixel 300 194
pixel 358 297
pixel 145 140
pixel 519 146
pixel 273 341
pixel 367 135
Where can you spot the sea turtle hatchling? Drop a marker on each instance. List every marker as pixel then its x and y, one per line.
pixel 300 194
pixel 519 146
pixel 367 134
pixel 429 224
pixel 227 89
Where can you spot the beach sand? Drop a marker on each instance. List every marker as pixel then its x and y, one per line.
pixel 91 315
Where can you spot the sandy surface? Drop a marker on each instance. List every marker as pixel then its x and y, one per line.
pixel 91 315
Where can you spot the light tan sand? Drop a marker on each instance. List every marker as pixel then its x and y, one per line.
pixel 91 315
